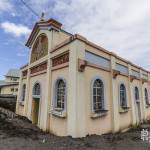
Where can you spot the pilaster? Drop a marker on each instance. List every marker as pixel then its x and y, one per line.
pixel 114 99
pixel 131 97
pixel 27 94
pixel 49 86
pixel 76 108
pixel 142 97
pixel 18 95
pixel 27 98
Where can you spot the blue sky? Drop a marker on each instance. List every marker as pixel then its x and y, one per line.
pixel 118 26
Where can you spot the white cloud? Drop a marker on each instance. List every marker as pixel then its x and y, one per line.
pixel 5 5
pixel 13 14
pixel 21 54
pixel 15 29
pixel 6 59
pixel 119 26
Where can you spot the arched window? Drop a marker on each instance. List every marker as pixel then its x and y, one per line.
pixel 23 92
pixel 36 90
pixel 146 97
pixel 98 96
pixel 40 48
pixel 60 98
pixel 136 94
pixel 123 98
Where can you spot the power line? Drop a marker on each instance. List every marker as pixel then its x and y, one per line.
pixel 35 13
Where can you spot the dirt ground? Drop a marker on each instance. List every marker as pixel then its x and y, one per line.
pixel 20 134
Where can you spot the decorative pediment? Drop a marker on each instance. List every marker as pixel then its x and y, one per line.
pixel 46 25
pixel 115 73
pixel 40 48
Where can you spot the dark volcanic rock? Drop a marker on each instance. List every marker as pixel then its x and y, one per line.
pixel 8 103
pixel 19 134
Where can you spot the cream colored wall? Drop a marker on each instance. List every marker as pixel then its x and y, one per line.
pixel 42 107
pixel 24 81
pixel 30 81
pixel 61 50
pixel 118 120
pixel 7 90
pixel 125 118
pixel 101 124
pixel 58 125
pixel 78 122
pixel 53 39
pixel 104 124
pixel 21 105
pixel 89 126
pixel 21 110
pixel 58 37
pixel 134 108
pixel 146 108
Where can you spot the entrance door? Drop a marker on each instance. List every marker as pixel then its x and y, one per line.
pixel 35 103
pixel 35 111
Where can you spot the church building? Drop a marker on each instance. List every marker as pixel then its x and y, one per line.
pixel 73 87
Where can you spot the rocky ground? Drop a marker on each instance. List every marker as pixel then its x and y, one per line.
pixel 20 134
pixel 8 102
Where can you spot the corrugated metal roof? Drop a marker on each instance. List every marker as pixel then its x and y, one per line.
pixel 13 73
pixel 4 83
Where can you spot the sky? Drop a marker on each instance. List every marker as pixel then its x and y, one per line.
pixel 120 26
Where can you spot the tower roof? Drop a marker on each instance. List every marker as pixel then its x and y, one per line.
pixel 13 73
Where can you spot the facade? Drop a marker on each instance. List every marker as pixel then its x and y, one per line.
pixel 73 87
pixel 9 86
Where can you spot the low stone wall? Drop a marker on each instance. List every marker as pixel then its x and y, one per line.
pixel 9 113
pixel 8 102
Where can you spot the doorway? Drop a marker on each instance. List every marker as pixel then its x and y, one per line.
pixel 35 110
pixel 36 103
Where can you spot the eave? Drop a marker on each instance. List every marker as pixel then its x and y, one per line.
pixel 83 39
